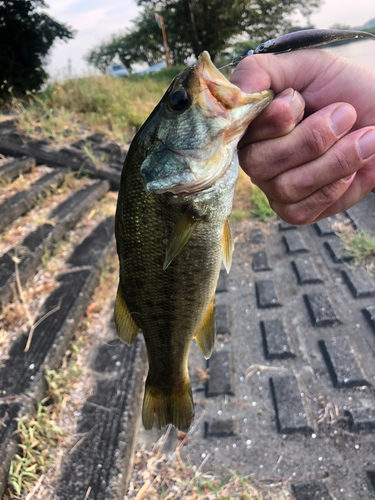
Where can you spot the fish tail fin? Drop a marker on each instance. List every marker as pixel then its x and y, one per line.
pixel 175 408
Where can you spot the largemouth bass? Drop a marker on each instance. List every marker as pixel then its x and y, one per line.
pixel 173 228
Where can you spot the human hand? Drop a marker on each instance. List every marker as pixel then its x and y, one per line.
pixel 325 164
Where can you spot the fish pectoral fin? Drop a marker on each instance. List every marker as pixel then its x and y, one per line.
pixel 180 236
pixel 227 245
pixel 206 335
pixel 126 328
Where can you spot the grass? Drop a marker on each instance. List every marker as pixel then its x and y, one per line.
pixel 359 245
pixel 39 435
pixel 117 107
pixel 250 201
pixel 260 206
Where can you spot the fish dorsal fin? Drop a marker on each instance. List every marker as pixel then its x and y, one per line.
pixel 206 335
pixel 180 235
pixel 227 245
pixel 126 328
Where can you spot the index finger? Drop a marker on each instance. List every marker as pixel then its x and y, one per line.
pixel 321 77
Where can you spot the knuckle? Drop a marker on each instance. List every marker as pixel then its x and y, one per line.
pixel 328 194
pixel 283 190
pixel 252 160
pixel 294 214
pixel 280 119
pixel 316 142
pixel 343 163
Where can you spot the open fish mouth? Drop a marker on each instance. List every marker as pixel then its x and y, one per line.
pixel 219 113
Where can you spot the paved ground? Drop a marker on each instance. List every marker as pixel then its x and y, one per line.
pixel 290 395
pixel 307 413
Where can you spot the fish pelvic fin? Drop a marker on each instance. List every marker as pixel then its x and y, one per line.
pixel 175 408
pixel 126 328
pixel 206 335
pixel 180 236
pixel 227 245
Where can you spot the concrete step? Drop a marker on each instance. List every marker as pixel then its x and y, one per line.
pixel 23 201
pixel 24 259
pixel 14 168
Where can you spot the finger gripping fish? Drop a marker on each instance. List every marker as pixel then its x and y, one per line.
pixel 173 229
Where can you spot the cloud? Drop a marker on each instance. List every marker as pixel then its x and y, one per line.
pixel 88 20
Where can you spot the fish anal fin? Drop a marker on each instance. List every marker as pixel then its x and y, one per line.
pixel 180 236
pixel 227 245
pixel 126 328
pixel 175 408
pixel 206 335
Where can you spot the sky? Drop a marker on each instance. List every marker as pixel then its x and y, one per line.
pixel 96 20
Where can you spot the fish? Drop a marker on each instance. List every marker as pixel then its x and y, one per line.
pixel 173 230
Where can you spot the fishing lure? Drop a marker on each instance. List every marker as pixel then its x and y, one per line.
pixel 304 39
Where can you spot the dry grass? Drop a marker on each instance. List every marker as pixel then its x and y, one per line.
pixel 63 111
pixel 158 476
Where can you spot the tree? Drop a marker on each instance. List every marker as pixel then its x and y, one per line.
pixel 195 25
pixel 26 35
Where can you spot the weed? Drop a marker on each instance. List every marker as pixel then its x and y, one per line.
pixel 97 161
pixel 158 475
pixel 38 436
pixel 115 107
pixel 260 206
pixel 238 215
pixel 359 245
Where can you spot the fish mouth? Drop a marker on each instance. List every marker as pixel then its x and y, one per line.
pixel 221 92
pixel 227 111
pixel 217 97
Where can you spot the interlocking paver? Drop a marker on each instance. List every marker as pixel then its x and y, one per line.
pixel 324 227
pixel 217 427
pixel 359 282
pixel 305 271
pixel 260 261
pixel 370 474
pixel 256 237
pixel 266 294
pixel 316 490
pixel 294 243
pixel 221 374
pixel 284 226
pixel 341 363
pixel 287 400
pixel 336 251
pixel 361 419
pixel 222 282
pixel 222 319
pixel 320 309
pixel 369 314
pixel 275 340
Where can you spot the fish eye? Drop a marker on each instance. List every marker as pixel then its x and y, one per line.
pixel 178 99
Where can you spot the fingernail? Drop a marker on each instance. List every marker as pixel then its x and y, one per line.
pixel 342 119
pixel 366 145
pixel 296 102
pixel 349 178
